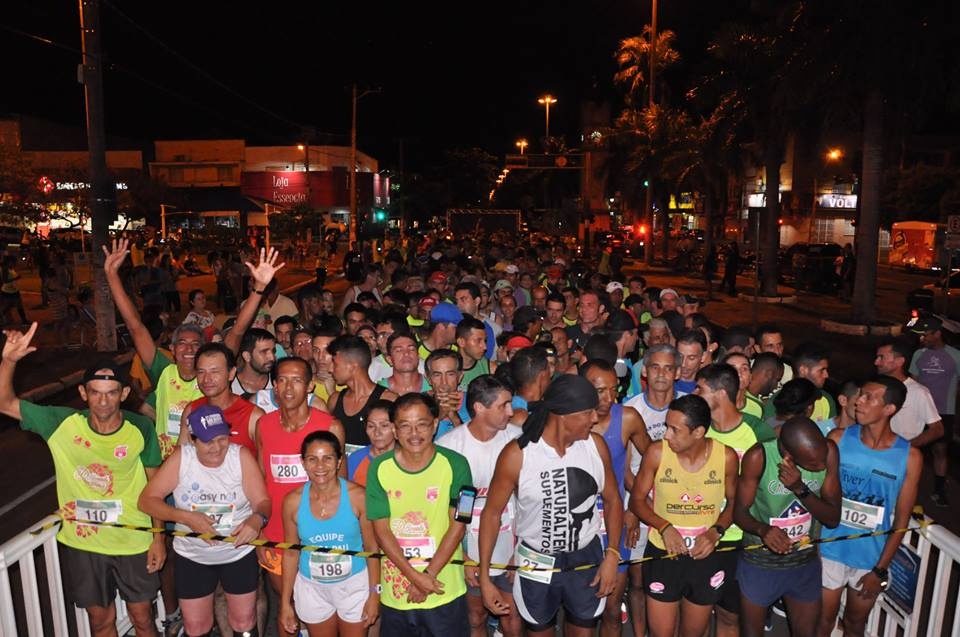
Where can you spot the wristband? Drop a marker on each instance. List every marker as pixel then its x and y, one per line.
pixel 664 527
pixel 263 519
pixel 260 292
pixel 614 551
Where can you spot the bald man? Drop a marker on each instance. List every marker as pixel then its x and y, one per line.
pixel 788 488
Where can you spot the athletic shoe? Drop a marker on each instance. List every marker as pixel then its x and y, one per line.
pixel 173 625
pixel 779 608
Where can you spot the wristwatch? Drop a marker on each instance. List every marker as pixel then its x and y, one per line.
pixel 376 588
pixel 719 529
pixel 264 519
pixel 804 492
pixel 883 575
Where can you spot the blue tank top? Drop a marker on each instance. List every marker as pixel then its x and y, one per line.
pixel 342 531
pixel 870 480
pixel 613 436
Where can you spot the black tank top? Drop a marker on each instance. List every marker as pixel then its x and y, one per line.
pixel 355 426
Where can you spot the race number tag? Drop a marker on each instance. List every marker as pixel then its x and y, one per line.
pixel 796 527
pixel 287 469
pixel 325 567
pixel 417 549
pixel 689 534
pixel 99 511
pixel 532 559
pixel 861 516
pixel 221 516
pixel 173 421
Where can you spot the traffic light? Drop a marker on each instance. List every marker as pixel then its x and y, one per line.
pixel 379 216
pixel 646 183
pixel 642 230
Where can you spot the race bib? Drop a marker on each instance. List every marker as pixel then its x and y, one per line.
pixel 221 516
pixel 532 559
pixel 417 549
pixel 861 516
pixel 325 567
pixel 173 421
pixel 689 534
pixel 796 527
pixel 99 511
pixel 287 469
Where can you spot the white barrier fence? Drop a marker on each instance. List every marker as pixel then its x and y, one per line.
pixel 36 606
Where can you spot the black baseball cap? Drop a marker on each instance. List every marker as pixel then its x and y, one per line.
pixel 106 370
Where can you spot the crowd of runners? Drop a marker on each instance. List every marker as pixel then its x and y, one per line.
pixel 502 406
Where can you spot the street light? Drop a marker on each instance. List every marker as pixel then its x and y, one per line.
pixel 832 155
pixel 522 145
pixel 547 100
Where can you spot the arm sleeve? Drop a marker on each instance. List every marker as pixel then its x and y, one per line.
pixel 42 419
pixel 159 363
pixel 377 505
pixel 150 456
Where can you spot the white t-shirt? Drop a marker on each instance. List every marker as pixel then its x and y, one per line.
pixel 918 411
pixel 482 457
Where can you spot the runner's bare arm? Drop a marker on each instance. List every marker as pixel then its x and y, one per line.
pixel 336 428
pixel 934 431
pixel 826 506
pixel 643 483
pixel 142 341
pixel 506 477
pixel 255 416
pixel 261 274
pixel 731 474
pixel 391 548
pixel 184 437
pixel 332 401
pixel 258 441
pixel 358 500
pixel 15 347
pixel 605 581
pixel 291 503
pixel 906 499
pixel 448 544
pixel 255 490
pixel 751 468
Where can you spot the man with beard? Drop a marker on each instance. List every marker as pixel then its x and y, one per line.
pixel 283 329
pixel 472 347
pixel 351 358
pixel 622 428
pixel 258 355
pixel 558 467
pixel 555 306
pixel 278 438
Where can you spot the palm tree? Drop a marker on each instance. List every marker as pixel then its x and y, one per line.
pixel 633 59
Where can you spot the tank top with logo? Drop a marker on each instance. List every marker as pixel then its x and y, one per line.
pixel 690 501
pixel 342 531
pixel 870 480
pixel 218 493
pixel 776 505
pixel 557 496
pixel 280 455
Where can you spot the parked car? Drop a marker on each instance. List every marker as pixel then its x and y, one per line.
pixel 811 266
pixel 930 297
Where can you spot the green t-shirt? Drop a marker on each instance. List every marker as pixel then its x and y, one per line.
pixel 99 477
pixel 753 406
pixel 173 394
pixel 418 507
pixel 749 432
pixel 775 505
pixel 480 368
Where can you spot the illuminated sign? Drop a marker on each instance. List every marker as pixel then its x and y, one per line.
pixel 687 201
pixel 837 201
pixel 82 185
pixel 759 200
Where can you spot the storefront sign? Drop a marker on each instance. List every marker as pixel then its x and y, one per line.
pixel 759 199
pixel 283 188
pixel 837 201
pixel 80 185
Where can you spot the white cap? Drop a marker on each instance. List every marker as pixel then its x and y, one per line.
pixel 512 269
pixel 667 291
pixel 614 285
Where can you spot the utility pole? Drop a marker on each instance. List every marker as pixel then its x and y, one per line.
pixel 354 220
pixel 648 195
pixel 102 189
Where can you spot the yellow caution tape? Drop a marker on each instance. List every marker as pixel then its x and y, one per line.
pixel 917 515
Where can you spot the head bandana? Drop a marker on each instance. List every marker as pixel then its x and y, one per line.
pixel 568 394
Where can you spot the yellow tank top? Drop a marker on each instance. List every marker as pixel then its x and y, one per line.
pixel 691 502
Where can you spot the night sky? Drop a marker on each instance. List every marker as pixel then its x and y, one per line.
pixel 452 75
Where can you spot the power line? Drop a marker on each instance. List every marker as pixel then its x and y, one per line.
pixel 207 75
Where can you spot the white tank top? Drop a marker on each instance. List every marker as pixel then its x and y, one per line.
pixel 218 492
pixel 557 496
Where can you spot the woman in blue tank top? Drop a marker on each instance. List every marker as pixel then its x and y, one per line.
pixel 329 593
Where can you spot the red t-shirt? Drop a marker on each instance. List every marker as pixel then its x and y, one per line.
pixel 238 417
pixel 280 453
